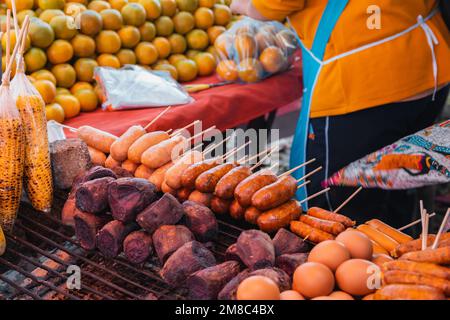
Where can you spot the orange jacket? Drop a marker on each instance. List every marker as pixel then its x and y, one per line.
pixel 391 72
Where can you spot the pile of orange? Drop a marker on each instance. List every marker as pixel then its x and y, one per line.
pixel 252 50
pixel 68 39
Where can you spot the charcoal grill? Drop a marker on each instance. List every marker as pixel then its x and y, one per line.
pixel 41 248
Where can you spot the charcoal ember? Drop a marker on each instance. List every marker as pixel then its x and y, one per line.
pixel 279 276
pixel 290 261
pixel 231 253
pixel 165 211
pixel 207 283
pixel 129 196
pixel 229 291
pixel 167 239
pixel 92 196
pixel 110 238
pixel 86 227
pixel 93 173
pixel 137 246
pixel 122 173
pixel 285 241
pixel 189 258
pixel 201 221
pixel 69 158
pixel 255 249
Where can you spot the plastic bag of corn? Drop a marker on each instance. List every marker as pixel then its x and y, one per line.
pixel 12 149
pixel 37 172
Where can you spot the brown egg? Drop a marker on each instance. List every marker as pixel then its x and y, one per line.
pixel 353 276
pixel 258 288
pixel 341 295
pixel 324 298
pixel 291 295
pixel 368 297
pixel 330 253
pixel 380 258
pixel 313 279
pixel 357 243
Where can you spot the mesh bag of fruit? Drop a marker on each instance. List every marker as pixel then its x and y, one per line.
pixel 37 170
pixel 252 50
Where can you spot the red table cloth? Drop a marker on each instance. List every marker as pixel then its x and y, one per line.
pixel 226 107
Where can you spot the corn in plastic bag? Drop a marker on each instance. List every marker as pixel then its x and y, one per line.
pixel 37 170
pixel 12 154
pixel 252 50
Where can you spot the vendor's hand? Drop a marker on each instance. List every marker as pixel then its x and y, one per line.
pixel 239 6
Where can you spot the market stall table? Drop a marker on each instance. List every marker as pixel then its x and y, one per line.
pixel 226 106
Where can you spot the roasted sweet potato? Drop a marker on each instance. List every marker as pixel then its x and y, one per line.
pixel 285 242
pixel 167 239
pixel 256 250
pixel 110 237
pixel 137 246
pixel 201 221
pixel 290 261
pixel 92 196
pixel 86 227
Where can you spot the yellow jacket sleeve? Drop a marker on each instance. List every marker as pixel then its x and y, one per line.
pixel 278 9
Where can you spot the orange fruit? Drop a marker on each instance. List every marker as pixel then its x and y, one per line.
pixel 214 32
pixel 227 70
pixel 12 37
pixel 59 52
pixel 22 14
pixel 108 41
pixel 88 99
pixel 118 4
pixel 213 51
pixel 264 39
pixel 204 18
pixel 70 105
pixel 222 14
pixel 44 75
pixel 126 56
pixel 48 4
pixel 183 22
pixel 41 34
pixel 46 89
pixel 84 69
pixel 160 61
pixel 223 45
pixel 187 5
pixel 152 8
pixel 62 91
pixel 81 86
pixel 163 47
pixel 108 60
pixel 164 26
pixel 148 31
pixel 98 5
pixel 146 53
pixel 65 75
pixel 197 39
pixel 48 15
pixel 64 27
pixel 272 59
pixel 134 14
pixel 91 22
pixel 190 54
pixel 169 68
pixel 83 45
pixel 207 3
pixel 129 36
pixel 174 58
pixel 187 70
pixel 177 43
pixel 206 63
pixel 287 41
pixel 20 5
pixel 35 59
pixel 244 46
pixel 112 19
pixel 13 69
pixel 99 92
pixel 250 70
pixel 168 7
pixel 54 112
pixel 72 9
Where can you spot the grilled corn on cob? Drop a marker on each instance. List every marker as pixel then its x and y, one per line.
pixel 2 242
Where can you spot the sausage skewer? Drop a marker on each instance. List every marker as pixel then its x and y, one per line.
pixel 441 229
pixel 309 174
pixel 178 131
pixel 157 117
pixel 409 225
pixel 297 167
pixel 314 195
pixel 348 199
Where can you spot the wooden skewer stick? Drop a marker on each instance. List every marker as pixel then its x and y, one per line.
pixel 237 150
pixel 422 217
pixel 14 14
pixel 314 195
pixel 8 37
pixel 309 174
pixel 425 232
pixel 260 162
pixel 297 167
pixel 303 184
pixel 441 229
pixel 169 131
pixel 157 117
pixel 215 145
pixel 67 127
pixel 200 145
pixel 348 199
pixel 414 223
pixel 273 166
pixel 200 134
pixel 179 131
pixel 269 150
pixel 23 31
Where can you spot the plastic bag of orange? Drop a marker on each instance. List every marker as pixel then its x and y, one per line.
pixel 252 50
pixel 37 169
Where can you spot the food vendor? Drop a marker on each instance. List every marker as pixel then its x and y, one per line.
pixel 373 72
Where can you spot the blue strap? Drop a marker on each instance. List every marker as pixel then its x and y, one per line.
pixel 311 72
